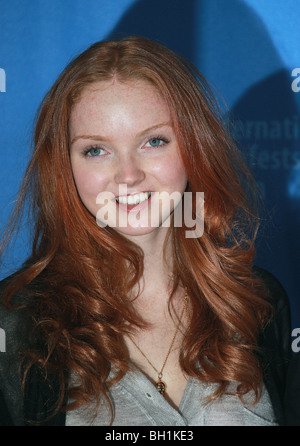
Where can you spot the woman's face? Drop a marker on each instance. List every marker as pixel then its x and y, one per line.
pixel 124 155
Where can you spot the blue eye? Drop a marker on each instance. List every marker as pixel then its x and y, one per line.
pixel 156 142
pixel 94 151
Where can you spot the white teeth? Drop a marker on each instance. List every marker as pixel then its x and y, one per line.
pixel 133 199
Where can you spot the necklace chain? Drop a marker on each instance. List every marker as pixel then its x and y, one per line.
pixel 160 385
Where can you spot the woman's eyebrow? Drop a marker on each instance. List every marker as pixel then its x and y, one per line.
pixel 103 138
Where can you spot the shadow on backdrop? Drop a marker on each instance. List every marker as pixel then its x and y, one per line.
pixel 171 23
pixel 270 130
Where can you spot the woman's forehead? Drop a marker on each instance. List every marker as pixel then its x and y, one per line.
pixel 116 106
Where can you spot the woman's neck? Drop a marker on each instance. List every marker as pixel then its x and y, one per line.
pixel 157 273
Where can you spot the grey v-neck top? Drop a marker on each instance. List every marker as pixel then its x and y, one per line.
pixel 138 403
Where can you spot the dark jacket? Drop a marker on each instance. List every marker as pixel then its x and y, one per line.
pixel 40 395
pixel 292 394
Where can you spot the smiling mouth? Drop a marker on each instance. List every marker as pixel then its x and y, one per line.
pixel 133 199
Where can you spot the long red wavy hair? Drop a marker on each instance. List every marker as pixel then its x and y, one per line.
pixel 79 307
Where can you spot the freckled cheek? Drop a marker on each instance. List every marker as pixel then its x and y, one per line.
pixel 172 175
pixel 89 184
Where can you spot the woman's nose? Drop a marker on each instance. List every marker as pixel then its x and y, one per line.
pixel 129 172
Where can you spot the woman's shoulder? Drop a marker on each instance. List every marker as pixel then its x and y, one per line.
pixel 277 293
pixel 275 340
pixel 13 318
pixel 14 325
pixel 278 331
pixel 280 327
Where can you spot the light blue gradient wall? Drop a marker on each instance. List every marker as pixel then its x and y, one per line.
pixel 246 48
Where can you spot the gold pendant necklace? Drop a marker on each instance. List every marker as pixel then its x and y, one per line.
pixel 161 385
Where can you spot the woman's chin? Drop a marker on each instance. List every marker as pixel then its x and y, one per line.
pixel 140 231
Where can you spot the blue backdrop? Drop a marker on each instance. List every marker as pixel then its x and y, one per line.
pixel 248 49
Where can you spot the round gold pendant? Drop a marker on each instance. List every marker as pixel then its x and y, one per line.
pixel 161 387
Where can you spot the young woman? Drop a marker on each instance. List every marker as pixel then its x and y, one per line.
pixel 123 314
